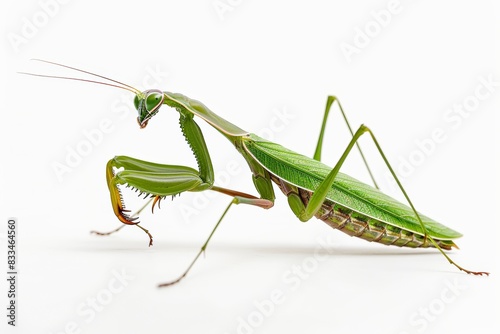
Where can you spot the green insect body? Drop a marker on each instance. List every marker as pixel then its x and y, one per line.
pixel 312 188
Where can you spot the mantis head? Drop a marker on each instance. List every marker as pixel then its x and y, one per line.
pixel 148 104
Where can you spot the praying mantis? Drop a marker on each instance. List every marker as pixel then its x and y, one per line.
pixel 312 188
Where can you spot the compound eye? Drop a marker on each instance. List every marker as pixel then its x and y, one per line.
pixel 137 102
pixel 153 101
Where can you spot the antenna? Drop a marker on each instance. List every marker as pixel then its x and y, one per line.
pixel 117 84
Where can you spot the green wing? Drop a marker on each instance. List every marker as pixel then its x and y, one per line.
pixel 307 173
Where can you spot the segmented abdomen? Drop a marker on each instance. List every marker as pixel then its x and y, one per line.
pixel 358 225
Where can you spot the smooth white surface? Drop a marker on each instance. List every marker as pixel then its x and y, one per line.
pixel 258 61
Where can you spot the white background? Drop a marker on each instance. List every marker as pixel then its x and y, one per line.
pixel 247 62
